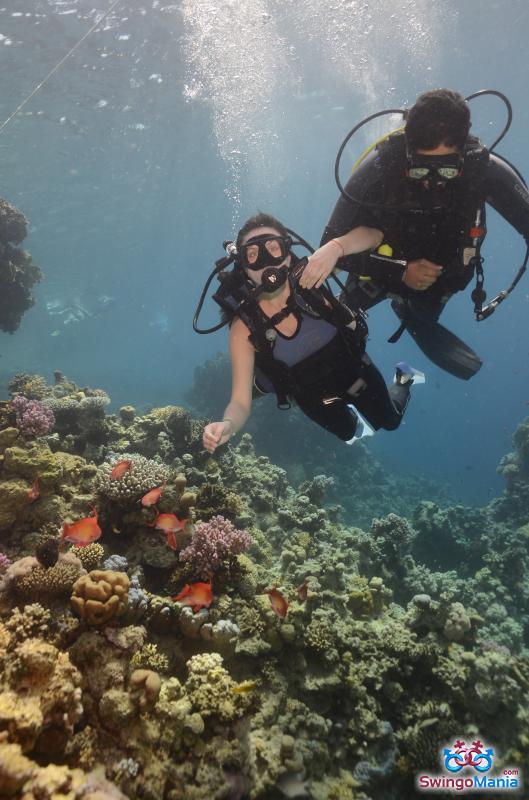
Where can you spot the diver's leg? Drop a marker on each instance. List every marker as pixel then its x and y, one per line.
pixel 382 407
pixel 331 413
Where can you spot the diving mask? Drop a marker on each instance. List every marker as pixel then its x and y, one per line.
pixel 263 251
pixel 442 168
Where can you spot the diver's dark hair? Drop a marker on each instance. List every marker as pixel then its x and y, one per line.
pixel 440 116
pixel 261 220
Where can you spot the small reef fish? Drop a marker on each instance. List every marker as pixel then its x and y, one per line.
pixel 83 532
pixel 303 590
pixel 120 469
pixel 278 602
pixel 197 595
pixel 152 497
pixel 34 492
pixel 244 687
pixel 170 524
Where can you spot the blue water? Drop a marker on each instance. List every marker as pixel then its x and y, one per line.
pixel 173 122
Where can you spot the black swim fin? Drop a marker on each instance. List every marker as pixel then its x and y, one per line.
pixel 441 346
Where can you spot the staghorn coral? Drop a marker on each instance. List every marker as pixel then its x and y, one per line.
pixel 142 476
pixel 214 546
pixel 100 596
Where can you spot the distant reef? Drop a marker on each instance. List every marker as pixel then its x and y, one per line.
pixel 18 273
pixel 176 626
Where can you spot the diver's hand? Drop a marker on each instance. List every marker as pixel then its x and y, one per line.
pixel 215 434
pixel 421 274
pixel 320 265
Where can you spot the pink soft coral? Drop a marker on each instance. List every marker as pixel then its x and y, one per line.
pixel 214 546
pixel 33 417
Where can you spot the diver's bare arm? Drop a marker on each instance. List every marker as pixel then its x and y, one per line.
pixel 242 366
pixel 323 261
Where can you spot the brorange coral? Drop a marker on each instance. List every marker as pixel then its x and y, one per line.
pixel 100 596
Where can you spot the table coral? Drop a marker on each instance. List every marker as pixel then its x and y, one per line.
pixel 100 596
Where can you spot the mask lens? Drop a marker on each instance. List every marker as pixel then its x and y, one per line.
pixel 417 173
pixel 448 173
pixel 273 246
pixel 252 253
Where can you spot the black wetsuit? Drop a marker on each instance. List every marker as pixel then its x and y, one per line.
pixel 318 374
pixel 431 227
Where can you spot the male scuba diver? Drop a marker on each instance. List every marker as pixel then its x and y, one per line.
pixel 425 187
pixel 302 344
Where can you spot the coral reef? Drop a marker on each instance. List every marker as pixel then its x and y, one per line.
pixel 214 546
pixel 18 274
pixel 399 633
pixel 33 418
pixel 100 596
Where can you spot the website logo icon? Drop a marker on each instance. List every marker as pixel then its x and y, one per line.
pixel 468 768
pixel 468 756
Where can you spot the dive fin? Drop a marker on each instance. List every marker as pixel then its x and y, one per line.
pixel 441 346
pixel 363 428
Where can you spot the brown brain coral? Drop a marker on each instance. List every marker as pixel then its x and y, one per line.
pixel 100 596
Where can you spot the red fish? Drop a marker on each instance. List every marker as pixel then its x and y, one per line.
pixel 170 524
pixel 83 532
pixel 34 492
pixel 196 595
pixel 119 469
pixel 278 602
pixel 152 497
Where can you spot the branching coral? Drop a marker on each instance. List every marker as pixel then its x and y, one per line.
pixel 214 546
pixel 33 418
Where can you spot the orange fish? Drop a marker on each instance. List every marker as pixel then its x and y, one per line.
pixel 197 595
pixel 170 524
pixel 83 532
pixel 119 469
pixel 278 602
pixel 34 492
pixel 152 497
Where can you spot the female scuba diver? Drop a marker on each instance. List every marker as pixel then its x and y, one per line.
pixel 302 344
